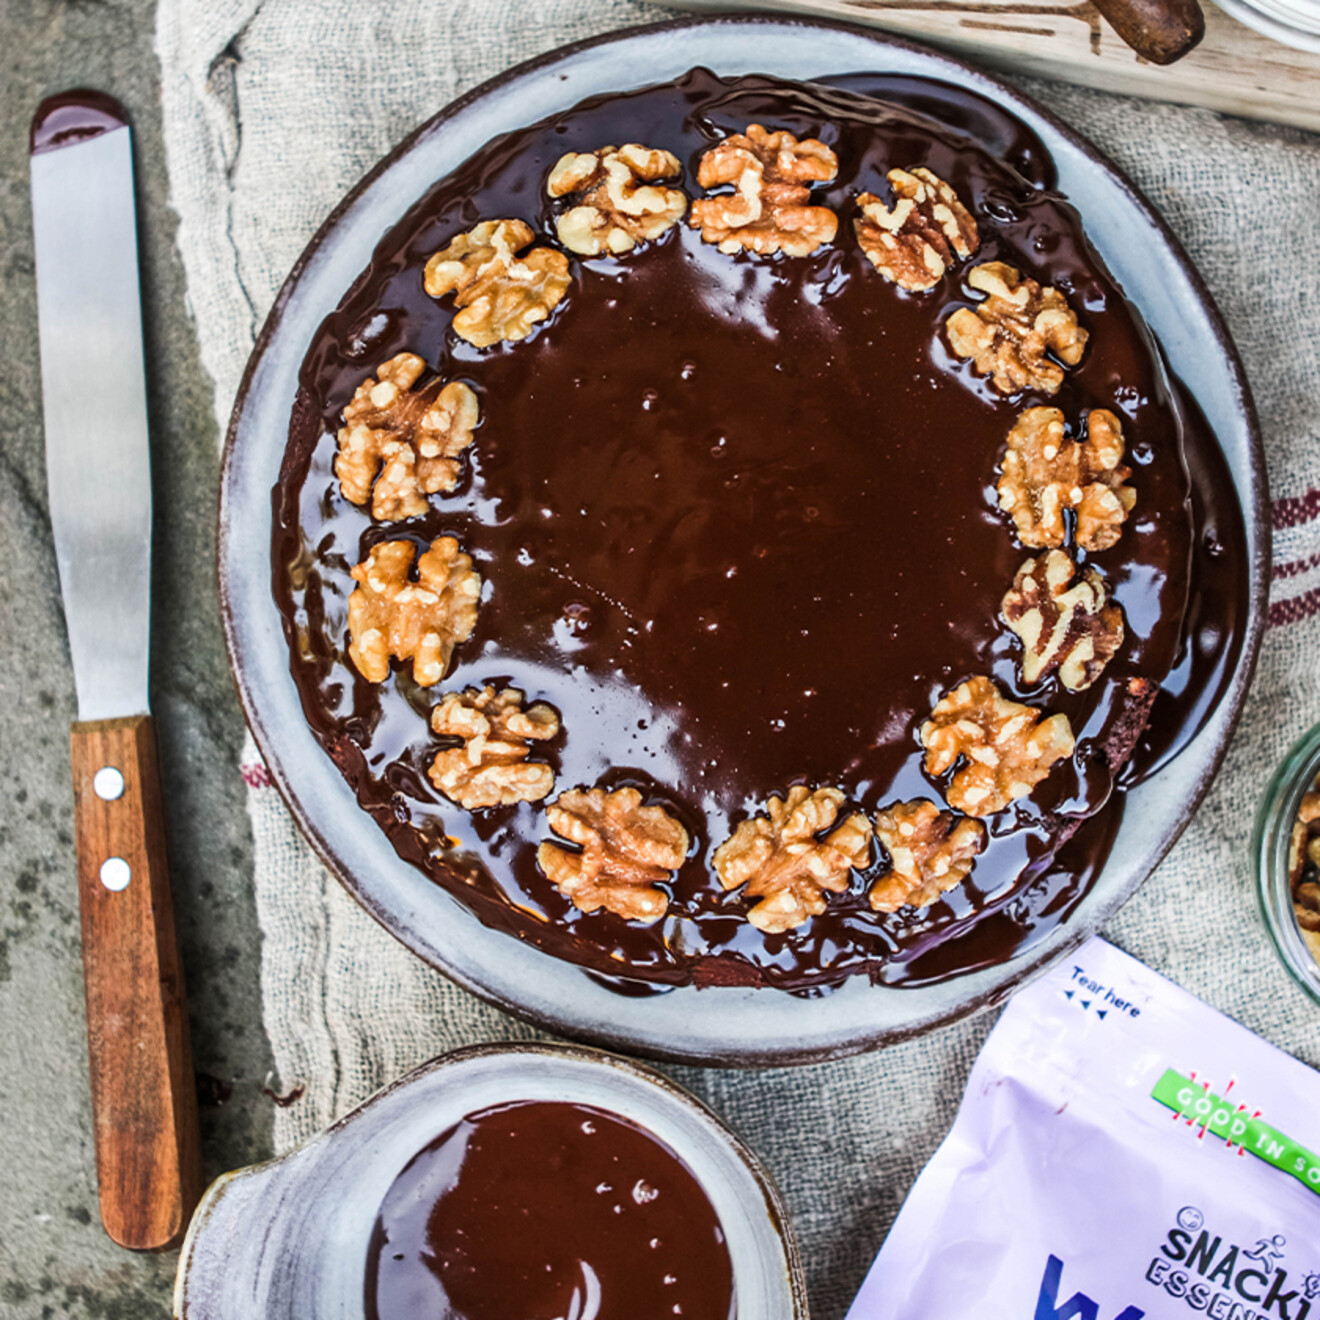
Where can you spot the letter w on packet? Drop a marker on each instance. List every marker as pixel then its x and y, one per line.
pixel 1122 1152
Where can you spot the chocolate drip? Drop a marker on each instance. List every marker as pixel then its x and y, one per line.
pixel 72 117
pixel 737 522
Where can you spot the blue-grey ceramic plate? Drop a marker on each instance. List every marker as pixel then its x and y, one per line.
pixel 733 1026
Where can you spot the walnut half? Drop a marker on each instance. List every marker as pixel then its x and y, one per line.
pixel 914 243
pixel 1065 625
pixel 1006 748
pixel 768 212
pixel 491 767
pixel 1010 335
pixel 626 851
pixel 1308 810
pixel 618 203
pixel 422 621
pixel 500 294
pixel 930 851
pixel 399 444
pixel 1303 862
pixel 1044 474
pixel 783 862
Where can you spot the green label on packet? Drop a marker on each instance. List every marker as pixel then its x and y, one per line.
pixel 1222 1118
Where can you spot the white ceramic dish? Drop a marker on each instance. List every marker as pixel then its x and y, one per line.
pixel 288 1240
pixel 1294 23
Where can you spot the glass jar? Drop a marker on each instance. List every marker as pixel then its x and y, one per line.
pixel 1270 847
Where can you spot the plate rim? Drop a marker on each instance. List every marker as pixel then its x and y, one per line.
pixel 1254 502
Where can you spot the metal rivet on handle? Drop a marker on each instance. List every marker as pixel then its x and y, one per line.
pixel 116 873
pixel 108 783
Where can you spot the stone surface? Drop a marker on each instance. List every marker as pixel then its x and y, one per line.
pixel 54 1258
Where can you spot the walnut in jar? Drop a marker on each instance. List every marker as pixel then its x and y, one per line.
pixel 1045 475
pixel 399 443
pixel 1065 620
pixel 769 209
pixel 490 768
pixel 785 859
pixel 1011 335
pixel 916 241
pixel 624 852
pixel 1308 820
pixel 422 620
pixel 1304 868
pixel 500 294
pixel 1004 749
pixel 618 197
pixel 930 852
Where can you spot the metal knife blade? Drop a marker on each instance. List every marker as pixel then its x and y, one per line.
pixel 97 464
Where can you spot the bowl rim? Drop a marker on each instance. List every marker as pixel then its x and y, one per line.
pixel 1271 24
pixel 1016 971
pixel 695 1111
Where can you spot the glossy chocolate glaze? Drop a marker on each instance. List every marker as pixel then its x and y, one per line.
pixel 547 1209
pixel 736 520
pixel 71 117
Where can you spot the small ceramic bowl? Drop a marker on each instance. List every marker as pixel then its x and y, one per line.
pixel 1270 848
pixel 288 1240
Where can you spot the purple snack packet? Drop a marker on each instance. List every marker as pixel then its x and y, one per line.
pixel 1122 1152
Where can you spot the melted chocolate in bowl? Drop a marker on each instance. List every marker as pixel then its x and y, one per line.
pixel 736 520
pixel 547 1209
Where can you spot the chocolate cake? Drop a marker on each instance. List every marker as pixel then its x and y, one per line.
pixel 738 532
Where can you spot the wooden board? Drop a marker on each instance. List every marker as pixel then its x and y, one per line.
pixel 1233 69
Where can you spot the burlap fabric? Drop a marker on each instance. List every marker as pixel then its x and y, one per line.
pixel 273 110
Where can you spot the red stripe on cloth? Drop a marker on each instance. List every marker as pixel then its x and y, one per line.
pixel 1293 510
pixel 1296 568
pixel 255 776
pixel 1294 610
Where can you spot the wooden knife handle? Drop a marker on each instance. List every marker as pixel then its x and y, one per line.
pixel 144 1097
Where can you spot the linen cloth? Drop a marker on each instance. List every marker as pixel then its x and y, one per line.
pixel 272 110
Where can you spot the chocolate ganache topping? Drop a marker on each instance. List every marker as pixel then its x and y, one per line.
pixel 737 526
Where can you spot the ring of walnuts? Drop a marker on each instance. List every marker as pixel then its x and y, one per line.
pixel 400 444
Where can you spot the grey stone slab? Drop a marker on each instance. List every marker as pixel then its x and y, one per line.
pixel 54 1258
